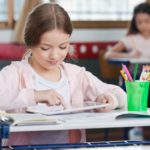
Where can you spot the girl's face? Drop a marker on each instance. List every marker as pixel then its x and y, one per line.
pixel 143 23
pixel 51 51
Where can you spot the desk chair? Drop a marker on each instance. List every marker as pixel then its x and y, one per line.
pixel 108 72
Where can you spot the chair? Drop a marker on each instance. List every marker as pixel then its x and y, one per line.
pixel 108 72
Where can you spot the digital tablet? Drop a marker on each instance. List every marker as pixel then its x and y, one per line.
pixel 54 110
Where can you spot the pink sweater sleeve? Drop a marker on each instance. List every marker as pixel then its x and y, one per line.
pixel 92 83
pixel 85 86
pixel 11 96
pixel 128 42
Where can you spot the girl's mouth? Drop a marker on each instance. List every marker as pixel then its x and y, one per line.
pixel 53 62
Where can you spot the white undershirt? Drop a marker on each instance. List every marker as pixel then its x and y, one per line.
pixel 61 86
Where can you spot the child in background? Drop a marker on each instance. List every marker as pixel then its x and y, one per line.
pixel 43 76
pixel 137 42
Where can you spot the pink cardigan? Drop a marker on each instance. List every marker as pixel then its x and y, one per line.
pixel 17 86
pixel 17 90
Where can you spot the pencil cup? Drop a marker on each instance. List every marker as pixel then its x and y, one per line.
pixel 137 95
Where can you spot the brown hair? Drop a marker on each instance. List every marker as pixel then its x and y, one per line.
pixel 45 17
pixel 141 8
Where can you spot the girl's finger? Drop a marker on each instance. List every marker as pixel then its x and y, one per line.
pixel 57 102
pixel 61 101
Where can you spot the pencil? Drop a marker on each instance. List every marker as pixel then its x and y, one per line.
pixel 123 75
pixel 127 72
pixel 135 71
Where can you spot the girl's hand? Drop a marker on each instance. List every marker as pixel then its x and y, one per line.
pixel 135 54
pixel 50 97
pixel 105 99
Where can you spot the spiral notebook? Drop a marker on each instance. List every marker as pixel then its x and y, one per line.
pixel 57 110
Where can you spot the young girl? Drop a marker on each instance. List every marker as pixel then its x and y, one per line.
pixel 137 41
pixel 43 76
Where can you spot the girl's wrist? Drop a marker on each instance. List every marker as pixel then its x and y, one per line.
pixel 36 96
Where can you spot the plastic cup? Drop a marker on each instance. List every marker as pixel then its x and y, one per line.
pixel 137 95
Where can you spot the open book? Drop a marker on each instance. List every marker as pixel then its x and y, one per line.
pixel 56 110
pixel 134 114
pixel 20 119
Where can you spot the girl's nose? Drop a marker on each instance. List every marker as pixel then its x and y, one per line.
pixel 53 54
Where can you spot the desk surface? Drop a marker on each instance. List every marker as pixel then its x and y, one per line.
pixel 87 120
pixel 141 147
pixel 129 60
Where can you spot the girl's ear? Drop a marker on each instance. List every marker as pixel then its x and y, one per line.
pixel 27 54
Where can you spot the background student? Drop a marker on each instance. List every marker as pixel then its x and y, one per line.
pixel 137 41
pixel 43 76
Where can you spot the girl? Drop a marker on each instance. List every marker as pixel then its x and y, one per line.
pixel 43 76
pixel 137 41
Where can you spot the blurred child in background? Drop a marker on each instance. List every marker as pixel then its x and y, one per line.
pixel 137 41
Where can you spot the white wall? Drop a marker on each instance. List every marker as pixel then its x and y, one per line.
pixel 98 34
pixel 84 35
pixel 5 36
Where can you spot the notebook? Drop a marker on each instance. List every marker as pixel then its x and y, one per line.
pixel 57 110
pixel 21 119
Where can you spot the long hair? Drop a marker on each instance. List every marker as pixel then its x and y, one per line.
pixel 141 8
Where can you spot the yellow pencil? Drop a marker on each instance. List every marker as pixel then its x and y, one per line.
pixel 123 75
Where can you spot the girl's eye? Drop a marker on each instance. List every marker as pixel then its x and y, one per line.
pixel 44 48
pixel 63 47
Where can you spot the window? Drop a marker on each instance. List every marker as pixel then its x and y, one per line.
pixel 18 4
pixel 83 13
pixel 99 9
pixel 3 10
pixel 9 12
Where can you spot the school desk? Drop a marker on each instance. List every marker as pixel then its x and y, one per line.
pixel 129 61
pixel 86 120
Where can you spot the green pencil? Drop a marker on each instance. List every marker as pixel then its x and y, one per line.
pixel 135 71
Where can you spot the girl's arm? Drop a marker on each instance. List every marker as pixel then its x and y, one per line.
pixel 117 51
pixel 103 92
pixel 15 94
pixel 12 95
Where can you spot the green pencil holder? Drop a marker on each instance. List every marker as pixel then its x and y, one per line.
pixel 137 95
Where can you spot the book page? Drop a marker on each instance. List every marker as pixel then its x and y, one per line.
pixel 128 115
